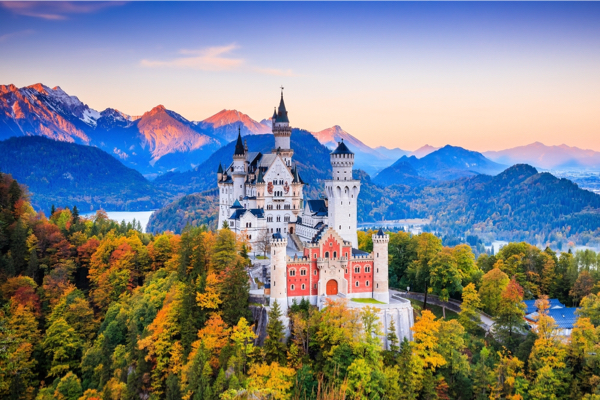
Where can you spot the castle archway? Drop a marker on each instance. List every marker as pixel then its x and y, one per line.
pixel 331 288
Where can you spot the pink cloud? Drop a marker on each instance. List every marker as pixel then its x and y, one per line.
pixel 55 11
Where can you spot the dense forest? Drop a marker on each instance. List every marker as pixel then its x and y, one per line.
pixel 93 309
pixel 85 176
pixel 192 210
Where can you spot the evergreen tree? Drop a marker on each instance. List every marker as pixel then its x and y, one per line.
pixel 509 321
pixel 69 388
pixel 173 391
pixel 75 214
pixel 52 210
pixel 235 292
pixel 18 246
pixel 220 385
pixel 392 338
pixel 274 348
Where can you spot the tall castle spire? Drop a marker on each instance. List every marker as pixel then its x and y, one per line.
pixel 282 130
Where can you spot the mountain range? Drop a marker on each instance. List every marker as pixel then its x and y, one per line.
pixel 548 157
pixel 447 163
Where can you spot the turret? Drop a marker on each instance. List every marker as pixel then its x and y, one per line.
pixel 380 266
pixel 342 161
pixel 282 131
pixel 279 272
pixel 239 168
pixel 220 173
pixel 342 193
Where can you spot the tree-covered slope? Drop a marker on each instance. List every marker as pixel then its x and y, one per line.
pixel 193 209
pixel 67 174
pixel 518 204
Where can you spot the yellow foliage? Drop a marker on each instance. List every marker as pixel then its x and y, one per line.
pixel 425 340
pixel 271 381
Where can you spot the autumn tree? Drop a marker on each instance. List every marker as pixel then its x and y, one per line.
pixel 582 286
pixel 590 308
pixel 468 316
pixel 509 320
pixel 427 248
pixel 445 277
pixel 549 376
pixel 493 284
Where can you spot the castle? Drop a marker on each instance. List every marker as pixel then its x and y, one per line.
pixel 263 195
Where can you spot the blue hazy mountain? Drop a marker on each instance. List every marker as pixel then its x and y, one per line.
pixel 68 174
pixel 447 163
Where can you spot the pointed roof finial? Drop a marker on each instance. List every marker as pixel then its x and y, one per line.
pixel 239 146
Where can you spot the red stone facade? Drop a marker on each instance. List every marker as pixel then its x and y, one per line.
pixel 304 271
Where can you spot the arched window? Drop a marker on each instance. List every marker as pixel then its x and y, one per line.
pixel 303 286
pixel 291 287
pixel 367 283
pixel 326 254
pixel 356 283
pixel 315 272
pixel 292 272
pixel 303 272
pixel 335 254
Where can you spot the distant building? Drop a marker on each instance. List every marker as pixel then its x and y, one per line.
pixel 564 317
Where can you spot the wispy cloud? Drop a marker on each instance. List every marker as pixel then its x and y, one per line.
pixel 208 59
pixel 219 58
pixel 12 35
pixel 56 11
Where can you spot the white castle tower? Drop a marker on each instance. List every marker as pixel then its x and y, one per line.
pixel 282 132
pixel 279 272
pixel 239 169
pixel 342 192
pixel 380 266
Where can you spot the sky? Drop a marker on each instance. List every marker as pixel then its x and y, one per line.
pixel 485 76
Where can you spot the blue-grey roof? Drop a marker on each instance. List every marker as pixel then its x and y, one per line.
pixel 277 235
pixel 530 304
pixel 282 112
pixel 565 317
pixel 236 204
pixel 239 146
pixel 357 252
pixel 380 232
pixel 239 212
pixel 342 149
pixel 317 206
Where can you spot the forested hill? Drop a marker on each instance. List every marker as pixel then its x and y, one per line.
pixel 447 163
pixel 67 174
pixel 311 157
pixel 518 204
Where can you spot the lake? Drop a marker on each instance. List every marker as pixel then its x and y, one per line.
pixel 128 216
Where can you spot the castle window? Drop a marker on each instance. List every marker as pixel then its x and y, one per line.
pixel 291 287
pixel 315 286
pixel 356 283
pixel 367 269
pixel 346 271
pixel 326 254
pixel 378 255
pixel 377 270
pixel 378 286
pixel 346 254
pixel 367 283
pixel 303 286
pixel 278 218
pixel 335 254
pixel 356 270
pixel 315 272
pixel 303 272
pixel 315 255
pixel 292 272
pixel 273 281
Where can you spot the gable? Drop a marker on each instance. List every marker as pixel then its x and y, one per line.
pixel 278 170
